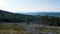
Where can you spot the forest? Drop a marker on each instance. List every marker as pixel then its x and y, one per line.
pixel 17 18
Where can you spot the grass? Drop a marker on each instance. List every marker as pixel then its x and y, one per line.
pixel 10 31
pixel 10 28
pixel 13 29
pixel 47 30
pixel 56 31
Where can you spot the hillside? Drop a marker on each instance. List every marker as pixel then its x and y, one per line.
pixel 13 17
pixel 39 19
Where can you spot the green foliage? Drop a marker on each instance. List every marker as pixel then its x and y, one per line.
pixel 14 17
pixel 12 26
pixel 51 20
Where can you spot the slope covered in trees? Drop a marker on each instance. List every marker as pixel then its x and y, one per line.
pixel 14 17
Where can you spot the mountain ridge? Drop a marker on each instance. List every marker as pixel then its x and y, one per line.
pixel 57 14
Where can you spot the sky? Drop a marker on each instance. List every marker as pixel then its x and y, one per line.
pixel 30 5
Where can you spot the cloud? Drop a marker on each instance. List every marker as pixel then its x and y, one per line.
pixel 31 6
pixel 2 3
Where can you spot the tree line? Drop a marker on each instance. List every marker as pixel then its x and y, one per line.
pixel 14 17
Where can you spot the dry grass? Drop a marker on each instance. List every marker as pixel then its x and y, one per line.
pixel 13 29
pixel 10 28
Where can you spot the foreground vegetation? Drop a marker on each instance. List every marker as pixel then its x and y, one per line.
pixel 20 28
pixel 9 28
pixel 47 29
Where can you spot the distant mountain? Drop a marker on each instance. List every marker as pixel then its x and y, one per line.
pixel 57 14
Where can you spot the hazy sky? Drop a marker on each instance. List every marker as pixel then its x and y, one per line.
pixel 30 5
